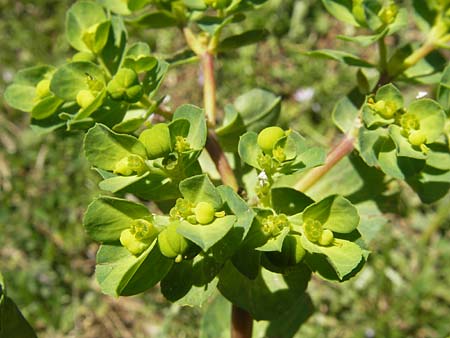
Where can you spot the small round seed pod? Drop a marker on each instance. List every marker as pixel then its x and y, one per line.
pixel 326 238
pixel 204 212
pixel 43 88
pixel 172 244
pixel 268 137
pixel 85 98
pixel 417 137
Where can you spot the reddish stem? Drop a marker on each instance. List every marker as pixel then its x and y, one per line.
pixel 341 150
pixel 241 323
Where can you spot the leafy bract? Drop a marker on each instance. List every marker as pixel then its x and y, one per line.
pixel 104 148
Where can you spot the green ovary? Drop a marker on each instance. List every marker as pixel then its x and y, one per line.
pixel 204 212
pixel 313 229
pixel 268 138
pixel 417 138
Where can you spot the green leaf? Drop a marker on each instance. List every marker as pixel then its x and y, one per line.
pixel 200 189
pixel 133 120
pixel 22 92
pixel 439 157
pixel 373 119
pixel 289 201
pixel 72 77
pixel 81 16
pixel 404 148
pixel 346 110
pixel 443 93
pixel 139 59
pixel 12 323
pixel 274 243
pixel 120 273
pixel 154 78
pixel 424 14
pixel 205 236
pixel 244 39
pixel 112 53
pixel 232 128
pixel 157 20
pixel 390 93
pixel 46 107
pixel 369 142
pixel 343 255
pixel 249 150
pixel 267 296
pixel 227 246
pixel 397 166
pixel 104 148
pixel 123 7
pixel 365 40
pixel 343 57
pixel 335 213
pixel 213 322
pixel 191 282
pixel 106 217
pixel 341 10
pixel 197 124
pixel 258 108
pixel 431 117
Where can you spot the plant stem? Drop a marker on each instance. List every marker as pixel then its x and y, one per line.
pixel 341 150
pixel 418 54
pixel 241 323
pixel 221 162
pixel 383 55
pixel 209 88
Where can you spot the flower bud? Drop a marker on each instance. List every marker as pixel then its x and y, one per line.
pixel 172 244
pixel 326 238
pixel 388 14
pixel 43 88
pixel 204 212
pixel 268 137
pixel 134 245
pixel 291 254
pixel 156 140
pixel 85 98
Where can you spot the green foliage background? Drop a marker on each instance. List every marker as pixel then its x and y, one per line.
pixel 45 183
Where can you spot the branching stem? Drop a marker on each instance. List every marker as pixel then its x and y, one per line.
pixel 341 150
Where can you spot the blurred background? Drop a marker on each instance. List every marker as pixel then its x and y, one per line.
pixel 46 184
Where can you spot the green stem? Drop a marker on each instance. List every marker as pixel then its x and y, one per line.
pixel 419 54
pixel 343 148
pixel 383 55
pixel 209 88
pixel 103 65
